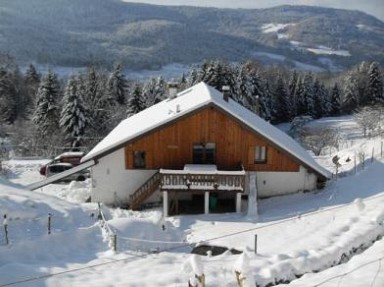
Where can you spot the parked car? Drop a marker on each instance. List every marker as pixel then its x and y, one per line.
pixel 64 162
pixel 57 168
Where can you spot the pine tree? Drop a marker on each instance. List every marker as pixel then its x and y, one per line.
pixel 281 111
pixel 99 103
pixel 361 77
pixel 243 90
pixel 375 84
pixel 265 102
pixel 319 97
pixel 292 94
pixel 74 114
pixel 193 78
pixel 350 100
pixel 22 100
pixel 32 82
pixel 215 74
pixel 135 101
pixel 117 86
pixel 301 104
pixel 8 96
pixel 154 91
pixel 335 99
pixel 308 94
pixel 46 114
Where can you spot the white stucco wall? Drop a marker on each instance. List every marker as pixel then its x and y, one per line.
pixel 280 183
pixel 112 183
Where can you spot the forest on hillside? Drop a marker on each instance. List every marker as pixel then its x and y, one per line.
pixel 74 33
pixel 43 114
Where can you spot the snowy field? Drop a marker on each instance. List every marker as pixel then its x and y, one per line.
pixel 333 237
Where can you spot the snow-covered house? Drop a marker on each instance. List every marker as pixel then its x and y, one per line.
pixel 200 147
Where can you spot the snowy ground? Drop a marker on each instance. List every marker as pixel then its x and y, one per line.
pixel 302 235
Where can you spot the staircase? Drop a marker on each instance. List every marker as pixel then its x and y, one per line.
pixel 144 191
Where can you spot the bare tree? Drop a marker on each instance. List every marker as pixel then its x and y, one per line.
pixel 318 139
pixel 369 119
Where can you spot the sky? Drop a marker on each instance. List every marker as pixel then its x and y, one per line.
pixel 373 7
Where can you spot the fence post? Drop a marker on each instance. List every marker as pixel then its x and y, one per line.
pixel 5 223
pixel 255 243
pixel 49 223
pixel 99 216
pixel 373 154
pixel 114 242
pixel 381 150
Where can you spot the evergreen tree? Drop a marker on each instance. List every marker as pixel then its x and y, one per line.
pixel 301 104
pixel 243 90
pixel 8 96
pixel 215 74
pixel 183 83
pixel 292 94
pixel 308 94
pixel 350 99
pixel 117 86
pixel 375 84
pixel 99 103
pixel 362 80
pixel 46 114
pixel 265 102
pixel 135 101
pixel 317 109
pixel 335 107
pixel 74 114
pixel 22 100
pixel 193 78
pixel 153 91
pixel 32 82
pixel 281 111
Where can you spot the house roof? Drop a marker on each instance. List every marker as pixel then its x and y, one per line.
pixel 191 100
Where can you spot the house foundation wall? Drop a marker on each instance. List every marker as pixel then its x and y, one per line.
pixel 281 183
pixel 112 183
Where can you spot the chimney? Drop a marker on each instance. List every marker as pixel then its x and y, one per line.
pixel 172 90
pixel 225 90
pixel 257 104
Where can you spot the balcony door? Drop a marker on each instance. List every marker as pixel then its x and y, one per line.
pixel 204 153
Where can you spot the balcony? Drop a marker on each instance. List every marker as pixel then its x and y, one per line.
pixel 200 178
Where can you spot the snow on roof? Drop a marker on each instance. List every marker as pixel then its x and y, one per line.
pixel 190 100
pixel 70 154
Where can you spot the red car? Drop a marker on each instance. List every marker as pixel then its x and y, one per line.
pixel 73 158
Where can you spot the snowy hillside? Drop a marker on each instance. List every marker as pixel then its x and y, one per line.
pixel 74 33
pixel 333 237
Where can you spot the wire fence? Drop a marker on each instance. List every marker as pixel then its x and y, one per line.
pixel 111 235
pixel 340 277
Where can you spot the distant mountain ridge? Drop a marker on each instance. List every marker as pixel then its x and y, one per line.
pixel 82 32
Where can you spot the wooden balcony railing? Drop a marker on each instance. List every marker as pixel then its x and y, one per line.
pixel 171 180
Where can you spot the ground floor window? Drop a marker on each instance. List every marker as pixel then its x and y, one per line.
pixel 139 159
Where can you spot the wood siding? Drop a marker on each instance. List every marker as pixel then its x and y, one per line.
pixel 170 147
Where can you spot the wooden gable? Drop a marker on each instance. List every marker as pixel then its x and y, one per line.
pixel 171 146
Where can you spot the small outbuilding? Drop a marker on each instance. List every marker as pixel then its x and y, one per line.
pixel 198 151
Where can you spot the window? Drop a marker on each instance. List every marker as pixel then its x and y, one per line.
pixel 260 154
pixel 204 153
pixel 139 159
